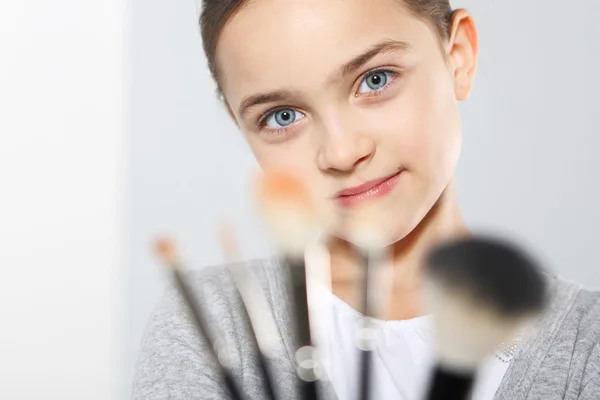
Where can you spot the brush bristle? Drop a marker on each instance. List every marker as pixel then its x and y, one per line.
pixel 467 332
pixel 166 250
pixel 366 228
pixel 492 271
pixel 229 244
pixel 480 291
pixel 288 210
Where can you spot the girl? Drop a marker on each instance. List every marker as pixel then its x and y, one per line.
pixel 360 98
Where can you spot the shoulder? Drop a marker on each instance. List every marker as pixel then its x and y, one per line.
pixel 562 355
pixel 214 284
pixel 578 337
pixel 588 304
pixel 586 350
pixel 214 289
pixel 173 359
pixel 581 306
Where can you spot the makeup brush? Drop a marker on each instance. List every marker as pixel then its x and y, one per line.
pixel 166 251
pixel 292 218
pixel 255 305
pixel 367 237
pixel 481 291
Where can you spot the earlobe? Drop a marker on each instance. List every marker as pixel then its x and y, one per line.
pixel 463 50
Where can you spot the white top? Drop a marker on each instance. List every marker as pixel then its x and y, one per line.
pixel 402 362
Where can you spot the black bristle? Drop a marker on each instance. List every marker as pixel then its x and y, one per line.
pixel 492 270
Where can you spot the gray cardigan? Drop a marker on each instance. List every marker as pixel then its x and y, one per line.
pixel 560 361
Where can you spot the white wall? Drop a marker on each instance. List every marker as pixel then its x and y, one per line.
pixel 61 136
pixel 187 164
pixel 530 165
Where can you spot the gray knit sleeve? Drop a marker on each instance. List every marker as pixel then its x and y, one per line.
pixel 591 391
pixel 590 382
pixel 172 362
pixel 591 378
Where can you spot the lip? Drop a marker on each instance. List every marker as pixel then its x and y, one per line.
pixel 372 189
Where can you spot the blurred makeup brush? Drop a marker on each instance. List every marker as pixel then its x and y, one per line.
pixel 292 218
pixel 165 249
pixel 255 303
pixel 481 291
pixel 377 280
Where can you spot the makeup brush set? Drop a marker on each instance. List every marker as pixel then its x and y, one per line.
pixel 479 290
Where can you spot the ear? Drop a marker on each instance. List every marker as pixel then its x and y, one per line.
pixel 462 52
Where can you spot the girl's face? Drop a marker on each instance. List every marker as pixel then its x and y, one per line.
pixel 357 97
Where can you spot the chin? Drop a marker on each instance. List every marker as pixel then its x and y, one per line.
pixel 393 219
pixel 391 231
pixel 399 231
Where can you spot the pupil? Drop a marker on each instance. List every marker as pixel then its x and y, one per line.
pixel 376 79
pixel 285 115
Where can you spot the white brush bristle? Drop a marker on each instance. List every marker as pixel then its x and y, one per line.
pixel 366 228
pixel 292 227
pixel 289 211
pixel 466 331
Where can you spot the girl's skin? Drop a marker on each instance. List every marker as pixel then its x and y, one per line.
pixel 346 91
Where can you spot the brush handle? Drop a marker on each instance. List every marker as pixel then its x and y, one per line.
pixel 366 261
pixel 263 363
pixel 450 385
pixel 300 294
pixel 250 294
pixel 306 369
pixel 201 326
pixel 366 349
pixel 269 386
pixel 365 374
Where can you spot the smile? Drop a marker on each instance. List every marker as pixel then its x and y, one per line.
pixel 375 188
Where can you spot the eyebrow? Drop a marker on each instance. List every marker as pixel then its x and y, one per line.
pixel 257 99
pixel 385 46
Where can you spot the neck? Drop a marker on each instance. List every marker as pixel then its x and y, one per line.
pixel 407 255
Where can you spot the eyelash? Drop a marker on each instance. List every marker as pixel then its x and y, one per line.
pixel 262 122
pixel 275 133
pixel 392 79
pixel 393 75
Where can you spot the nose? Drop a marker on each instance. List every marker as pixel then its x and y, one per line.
pixel 344 148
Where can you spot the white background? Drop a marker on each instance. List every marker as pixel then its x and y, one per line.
pixel 110 134
pixel 61 136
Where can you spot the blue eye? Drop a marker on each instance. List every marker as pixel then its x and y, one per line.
pixel 374 81
pixel 282 118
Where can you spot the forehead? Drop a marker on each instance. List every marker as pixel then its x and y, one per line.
pixel 272 44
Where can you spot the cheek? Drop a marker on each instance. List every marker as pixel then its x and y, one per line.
pixel 296 155
pixel 444 138
pixel 425 126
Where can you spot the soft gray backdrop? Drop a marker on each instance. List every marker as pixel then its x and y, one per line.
pixel 529 165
